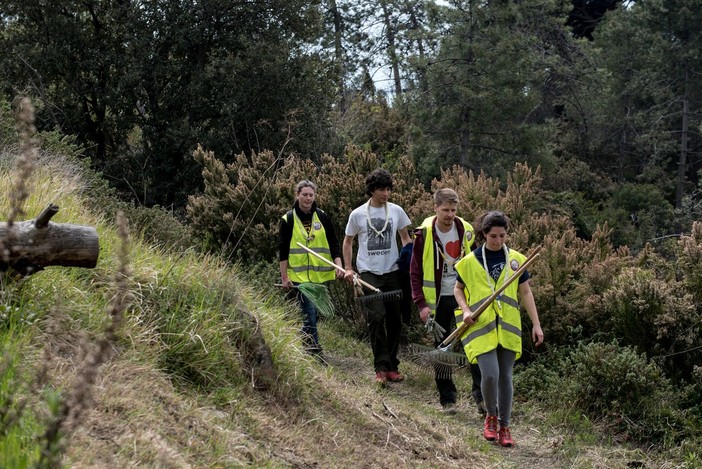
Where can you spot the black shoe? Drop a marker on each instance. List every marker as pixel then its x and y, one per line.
pixel 321 359
pixel 316 352
pixel 481 408
pixel 449 408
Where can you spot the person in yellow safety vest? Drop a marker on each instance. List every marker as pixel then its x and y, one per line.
pixel 494 339
pixel 310 226
pixel 441 241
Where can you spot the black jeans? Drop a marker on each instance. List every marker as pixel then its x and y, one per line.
pixel 384 322
pixel 444 316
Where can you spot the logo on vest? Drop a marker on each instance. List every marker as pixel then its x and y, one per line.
pixel 514 264
pixel 317 225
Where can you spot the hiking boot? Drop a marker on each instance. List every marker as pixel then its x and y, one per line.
pixel 449 408
pixel 504 438
pixel 381 378
pixel 321 359
pixel 316 352
pixel 394 376
pixel 481 408
pixel 490 429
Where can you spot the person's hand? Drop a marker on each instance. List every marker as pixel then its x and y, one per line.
pixel 424 314
pixel 349 275
pixel 435 329
pixel 468 317
pixel 287 283
pixel 339 273
pixel 537 335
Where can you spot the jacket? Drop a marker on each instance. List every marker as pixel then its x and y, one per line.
pixel 417 274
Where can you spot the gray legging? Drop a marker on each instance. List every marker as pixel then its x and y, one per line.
pixel 496 368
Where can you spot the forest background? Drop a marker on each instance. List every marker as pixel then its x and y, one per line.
pixel 580 119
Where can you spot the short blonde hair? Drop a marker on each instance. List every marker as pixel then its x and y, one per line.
pixel 445 195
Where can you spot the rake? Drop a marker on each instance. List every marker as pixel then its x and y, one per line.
pixel 442 356
pixel 442 361
pixel 317 294
pixel 377 295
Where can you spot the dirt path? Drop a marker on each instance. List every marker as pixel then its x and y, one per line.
pixel 404 422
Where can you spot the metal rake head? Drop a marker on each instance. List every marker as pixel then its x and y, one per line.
pixel 441 360
pixel 393 295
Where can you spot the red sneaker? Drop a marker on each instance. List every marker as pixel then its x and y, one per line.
pixel 490 429
pixel 381 378
pixel 394 376
pixel 504 438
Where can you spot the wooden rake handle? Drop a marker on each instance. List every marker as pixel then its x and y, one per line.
pixel 517 273
pixel 357 278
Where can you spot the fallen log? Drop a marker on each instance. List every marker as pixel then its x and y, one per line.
pixel 29 246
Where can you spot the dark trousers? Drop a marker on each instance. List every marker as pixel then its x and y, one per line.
pixel 476 392
pixel 444 316
pixel 310 338
pixel 384 322
pixel 406 301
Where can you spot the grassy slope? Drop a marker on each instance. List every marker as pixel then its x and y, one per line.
pixel 175 395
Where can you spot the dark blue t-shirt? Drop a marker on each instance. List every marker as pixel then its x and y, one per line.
pixel 495 261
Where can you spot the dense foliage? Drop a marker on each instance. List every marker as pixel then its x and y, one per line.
pixel 140 83
pixel 579 119
pixel 608 87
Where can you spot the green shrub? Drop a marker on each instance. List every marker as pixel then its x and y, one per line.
pixel 537 381
pixel 638 213
pixel 611 385
pixel 623 390
pixel 159 227
pixel 654 316
pixel 689 261
pixel 691 396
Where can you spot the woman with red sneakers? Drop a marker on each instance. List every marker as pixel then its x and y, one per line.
pixel 494 339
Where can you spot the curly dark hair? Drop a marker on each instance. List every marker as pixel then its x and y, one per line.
pixel 489 220
pixel 378 179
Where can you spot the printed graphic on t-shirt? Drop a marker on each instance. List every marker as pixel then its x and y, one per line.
pixel 382 241
pixel 496 270
pixel 453 249
pixel 449 272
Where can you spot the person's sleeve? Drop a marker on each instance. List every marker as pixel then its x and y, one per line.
pixel 524 277
pixel 417 272
pixel 404 219
pixel 332 239
pixel 351 226
pixel 459 279
pixel 284 237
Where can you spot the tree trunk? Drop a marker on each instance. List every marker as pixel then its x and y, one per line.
pixel 682 162
pixel 32 245
pixel 392 53
pixel 339 54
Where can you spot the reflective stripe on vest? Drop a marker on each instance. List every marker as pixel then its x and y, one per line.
pixel 428 258
pixel 500 324
pixel 303 266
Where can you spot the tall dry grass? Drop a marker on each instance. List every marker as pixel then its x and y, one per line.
pixel 64 412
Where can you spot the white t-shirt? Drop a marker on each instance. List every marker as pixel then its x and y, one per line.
pixel 452 250
pixel 377 249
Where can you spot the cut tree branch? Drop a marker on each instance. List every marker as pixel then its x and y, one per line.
pixel 32 245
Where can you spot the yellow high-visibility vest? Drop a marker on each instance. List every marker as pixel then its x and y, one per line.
pixel 428 259
pixel 303 266
pixel 500 323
